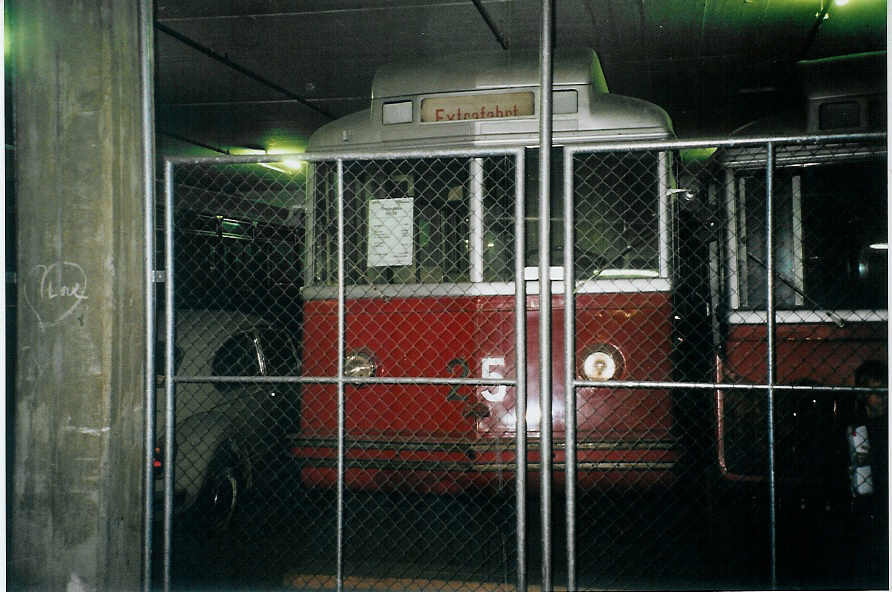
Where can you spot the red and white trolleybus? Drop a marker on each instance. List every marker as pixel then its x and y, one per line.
pixel 830 275
pixel 429 278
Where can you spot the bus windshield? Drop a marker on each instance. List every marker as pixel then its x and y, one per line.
pixel 831 237
pixel 451 220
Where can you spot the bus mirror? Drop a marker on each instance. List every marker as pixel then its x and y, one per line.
pixel 685 198
pixel 693 213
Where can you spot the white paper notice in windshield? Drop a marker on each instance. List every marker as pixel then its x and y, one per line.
pixel 391 233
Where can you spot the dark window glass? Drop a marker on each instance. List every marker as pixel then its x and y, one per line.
pixel 844 214
pixel 754 261
pixel 876 113
pixel 279 353
pixel 840 115
pixel 236 357
pixel 616 215
pixel 829 248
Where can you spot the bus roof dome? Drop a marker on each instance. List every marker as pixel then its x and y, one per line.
pixel 845 75
pixel 481 70
pixel 838 94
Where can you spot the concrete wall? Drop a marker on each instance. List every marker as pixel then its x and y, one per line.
pixel 77 477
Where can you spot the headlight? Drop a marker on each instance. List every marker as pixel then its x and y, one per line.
pixel 359 364
pixel 601 361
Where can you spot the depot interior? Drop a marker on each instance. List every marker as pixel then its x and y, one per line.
pixel 242 78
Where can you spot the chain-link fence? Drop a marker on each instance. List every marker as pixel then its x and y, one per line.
pixel 362 355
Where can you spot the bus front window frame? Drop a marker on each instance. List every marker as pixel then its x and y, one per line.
pixel 802 204
pixel 469 212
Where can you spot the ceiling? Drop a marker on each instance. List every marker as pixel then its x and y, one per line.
pixel 264 74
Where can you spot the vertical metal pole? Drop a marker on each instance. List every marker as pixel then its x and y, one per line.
pixel 476 219
pixel 772 356
pixel 169 390
pixel 731 241
pixel 520 369
pixel 798 255
pixel 4 417
pixel 743 276
pixel 545 425
pixel 570 367
pixel 666 238
pixel 146 61
pixel 341 402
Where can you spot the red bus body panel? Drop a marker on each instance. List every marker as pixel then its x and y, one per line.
pixel 441 438
pixel 806 353
pixel 821 352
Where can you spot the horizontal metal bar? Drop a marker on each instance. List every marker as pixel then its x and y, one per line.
pixel 470 466
pixel 632 384
pixel 480 152
pixel 612 384
pixel 488 445
pixel 723 142
pixel 401 380
pixel 348 156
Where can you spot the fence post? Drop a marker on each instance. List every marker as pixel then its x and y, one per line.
pixel 341 400
pixel 520 367
pixel 545 426
pixel 770 337
pixel 570 368
pixel 147 83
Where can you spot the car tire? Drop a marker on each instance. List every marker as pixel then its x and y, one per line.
pixel 222 492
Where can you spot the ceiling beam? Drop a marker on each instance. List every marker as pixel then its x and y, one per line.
pixel 239 68
pixel 238 102
pixel 193 142
pixel 322 11
pixel 813 32
pixel 491 24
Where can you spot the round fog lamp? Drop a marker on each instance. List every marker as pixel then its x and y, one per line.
pixel 601 362
pixel 359 365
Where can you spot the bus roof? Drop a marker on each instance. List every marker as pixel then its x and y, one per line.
pixel 485 70
pixel 845 75
pixel 839 94
pixel 477 82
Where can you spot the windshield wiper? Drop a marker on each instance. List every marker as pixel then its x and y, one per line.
pixel 838 320
pixel 609 265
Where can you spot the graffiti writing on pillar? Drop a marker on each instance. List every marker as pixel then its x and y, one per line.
pixel 55 291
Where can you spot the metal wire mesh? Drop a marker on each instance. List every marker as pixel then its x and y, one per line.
pixel 675 481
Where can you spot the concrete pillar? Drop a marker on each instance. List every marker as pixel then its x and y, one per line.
pixel 77 507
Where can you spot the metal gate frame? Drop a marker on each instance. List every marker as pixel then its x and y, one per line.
pixel 769 143
pixel 519 381
pixel 171 379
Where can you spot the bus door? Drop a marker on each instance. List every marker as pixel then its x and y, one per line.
pixel 622 310
pixel 495 411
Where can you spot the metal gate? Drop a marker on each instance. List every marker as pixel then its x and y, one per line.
pixel 373 373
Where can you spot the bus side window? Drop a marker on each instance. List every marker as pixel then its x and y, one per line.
pixel 324 249
pixel 454 232
pixel 498 239
pixel 616 213
pixel 429 243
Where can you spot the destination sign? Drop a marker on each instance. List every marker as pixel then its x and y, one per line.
pixel 488 106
